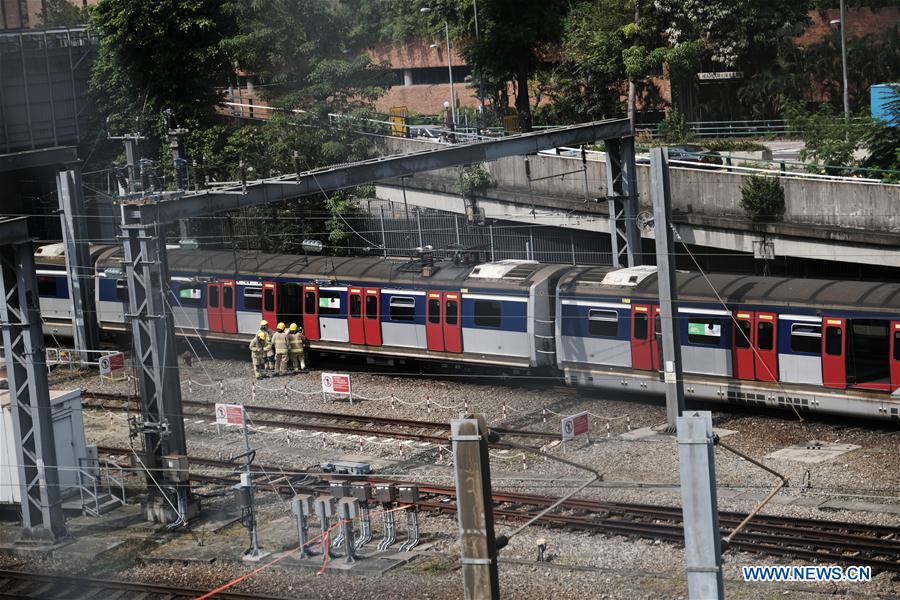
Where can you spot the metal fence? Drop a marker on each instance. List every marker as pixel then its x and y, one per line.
pixel 383 227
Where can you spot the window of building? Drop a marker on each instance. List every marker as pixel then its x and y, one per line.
pixel 742 334
pixel 640 326
pixel 310 303
pixel 765 335
pixel 121 291
pixel 806 338
pixel 189 295
pixel 329 303
pixel 253 298
pixel 704 331
pixel 603 322
pixel 355 306
pixel 402 308
pixel 214 296
pixel 897 345
pixel 452 316
pixel 488 313
pixel 269 299
pixel 228 297
pixel 834 341
pixel 47 286
pixel 371 306
pixel 434 310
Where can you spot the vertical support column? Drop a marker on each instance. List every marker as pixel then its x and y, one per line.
pixel 23 345
pixel 665 276
pixel 621 189
pixel 702 543
pixel 78 258
pixel 156 368
pixel 474 511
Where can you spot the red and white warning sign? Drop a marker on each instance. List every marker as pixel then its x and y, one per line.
pixel 112 362
pixel 574 425
pixel 229 414
pixel 335 383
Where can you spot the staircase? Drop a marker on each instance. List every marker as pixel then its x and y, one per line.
pixel 100 491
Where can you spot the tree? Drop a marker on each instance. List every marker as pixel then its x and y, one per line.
pixel 62 13
pixel 162 54
pixel 762 198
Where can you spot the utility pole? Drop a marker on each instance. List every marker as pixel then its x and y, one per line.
pixel 175 136
pixel 474 510
pixel 665 276
pixel 130 141
pixel 844 61
pixel 632 87
pixel 702 542
pixel 480 78
pixel 450 71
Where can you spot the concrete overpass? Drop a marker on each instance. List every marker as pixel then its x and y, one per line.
pixel 826 218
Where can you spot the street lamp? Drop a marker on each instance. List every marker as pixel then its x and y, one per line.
pixel 841 23
pixel 427 9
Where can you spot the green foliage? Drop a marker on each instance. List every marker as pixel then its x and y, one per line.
pixel 762 198
pixel 62 13
pixel 828 138
pixel 473 179
pixel 674 128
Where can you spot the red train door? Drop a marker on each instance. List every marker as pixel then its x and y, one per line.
pixel 452 322
pixel 895 355
pixel 269 303
pixel 743 357
pixel 766 343
pixel 373 316
pixel 642 347
pixel 434 328
pixel 355 325
pixel 229 310
pixel 656 341
pixel 311 312
pixel 834 345
pixel 214 306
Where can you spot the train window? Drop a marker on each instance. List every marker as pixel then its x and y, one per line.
pixel 189 295
pixel 329 303
pixel 269 299
pixel 765 335
pixel 704 331
pixel 309 304
pixel 806 337
pixel 214 296
pixel 834 337
pixel 603 322
pixel 640 326
pixel 121 291
pixel 487 313
pixel 452 315
pixel 227 297
pixel 897 345
pixel 434 310
pixel 355 306
pixel 371 306
pixel 47 286
pixel 253 298
pixel 742 334
pixel 402 308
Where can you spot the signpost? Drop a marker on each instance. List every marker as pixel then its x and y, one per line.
pixel 229 414
pixel 574 426
pixel 337 383
pixel 111 363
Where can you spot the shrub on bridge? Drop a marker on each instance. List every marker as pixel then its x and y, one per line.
pixel 762 198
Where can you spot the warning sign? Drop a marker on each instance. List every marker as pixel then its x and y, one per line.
pixel 112 362
pixel 574 425
pixel 335 383
pixel 229 414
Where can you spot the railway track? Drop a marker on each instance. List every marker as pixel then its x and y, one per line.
pixel 818 540
pixel 311 420
pixel 22 584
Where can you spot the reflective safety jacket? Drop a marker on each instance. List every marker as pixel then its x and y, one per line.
pixel 295 342
pixel 280 342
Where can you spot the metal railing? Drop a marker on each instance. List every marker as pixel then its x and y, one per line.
pixel 95 481
pixel 738 128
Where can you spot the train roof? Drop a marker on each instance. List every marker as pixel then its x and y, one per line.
pixel 359 269
pixel 737 289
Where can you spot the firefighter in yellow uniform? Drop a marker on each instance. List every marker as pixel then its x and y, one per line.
pixel 280 343
pixel 258 353
pixel 295 343
pixel 268 350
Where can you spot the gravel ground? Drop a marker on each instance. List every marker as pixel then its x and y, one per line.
pixel 582 566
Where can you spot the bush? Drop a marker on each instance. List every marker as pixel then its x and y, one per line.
pixel 473 179
pixel 762 198
pixel 673 129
